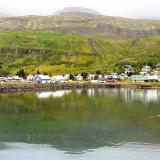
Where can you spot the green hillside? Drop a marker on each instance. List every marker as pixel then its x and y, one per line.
pixel 58 53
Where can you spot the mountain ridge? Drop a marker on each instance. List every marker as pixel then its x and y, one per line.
pixel 83 24
pixel 77 10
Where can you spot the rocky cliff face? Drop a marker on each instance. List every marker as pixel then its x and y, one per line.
pixel 82 23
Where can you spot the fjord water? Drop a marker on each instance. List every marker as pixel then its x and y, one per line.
pixel 92 124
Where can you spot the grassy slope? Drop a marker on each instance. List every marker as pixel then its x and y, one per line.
pixel 57 53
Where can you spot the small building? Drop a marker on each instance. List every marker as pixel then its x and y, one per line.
pixel 3 79
pixel 66 77
pixel 42 79
pixel 58 78
pixel 129 69
pixel 79 78
pixel 15 79
pixel 90 77
pixel 139 78
pixel 30 78
pixel 145 69
pixel 100 77
pixel 152 78
pixel 158 67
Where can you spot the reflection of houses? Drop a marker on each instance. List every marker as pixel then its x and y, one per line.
pixel 150 95
pixel 90 92
pixel 56 94
pixel 42 79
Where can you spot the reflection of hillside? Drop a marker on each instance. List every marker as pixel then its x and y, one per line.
pixel 150 95
pixel 54 94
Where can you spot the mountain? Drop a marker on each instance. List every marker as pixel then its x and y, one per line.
pixel 78 10
pixel 58 53
pixel 83 22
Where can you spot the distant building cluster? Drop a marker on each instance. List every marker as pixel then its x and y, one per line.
pixel 147 74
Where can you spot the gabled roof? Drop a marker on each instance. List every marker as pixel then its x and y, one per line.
pixel 43 77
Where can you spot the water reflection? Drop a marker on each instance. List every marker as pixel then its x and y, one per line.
pixel 82 122
pixel 55 94
pixel 147 96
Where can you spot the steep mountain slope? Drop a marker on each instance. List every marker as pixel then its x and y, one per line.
pixel 82 23
pixel 59 53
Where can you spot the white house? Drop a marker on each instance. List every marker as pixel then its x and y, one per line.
pixel 42 79
pixel 152 78
pixel 145 69
pixel 79 78
pixel 90 77
pixel 128 69
pixel 66 77
pixel 3 79
pixel 58 78
pixel 15 79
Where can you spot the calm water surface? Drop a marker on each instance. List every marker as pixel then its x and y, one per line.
pixel 93 124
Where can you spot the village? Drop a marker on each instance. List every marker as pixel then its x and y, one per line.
pixel 147 74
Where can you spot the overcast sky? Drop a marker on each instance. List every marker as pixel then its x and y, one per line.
pixel 124 8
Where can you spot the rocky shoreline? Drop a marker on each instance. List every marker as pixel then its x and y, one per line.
pixel 40 87
pixel 44 87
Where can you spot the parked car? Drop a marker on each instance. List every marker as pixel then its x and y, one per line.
pixel 110 80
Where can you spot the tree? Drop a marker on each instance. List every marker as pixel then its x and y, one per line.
pixel 98 72
pixel 38 72
pixel 84 75
pixel 45 73
pixel 21 73
pixel 71 76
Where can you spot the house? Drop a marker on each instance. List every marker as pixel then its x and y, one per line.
pixel 90 77
pixel 79 78
pixel 158 67
pixel 152 78
pixel 145 69
pixel 67 77
pixel 15 79
pixel 129 69
pixel 30 78
pixel 157 70
pixel 100 77
pixel 58 78
pixel 42 79
pixel 3 79
pixel 139 78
